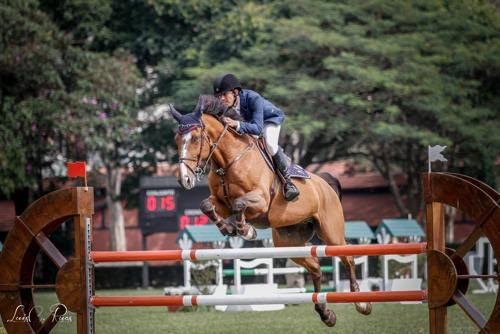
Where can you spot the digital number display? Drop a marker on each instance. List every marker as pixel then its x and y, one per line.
pixel 163 203
pixel 165 207
pixel 160 201
pixel 192 217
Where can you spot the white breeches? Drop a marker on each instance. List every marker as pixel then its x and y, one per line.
pixel 272 135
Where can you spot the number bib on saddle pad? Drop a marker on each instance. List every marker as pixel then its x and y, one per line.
pixel 296 171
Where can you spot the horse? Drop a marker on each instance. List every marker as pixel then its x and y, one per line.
pixel 242 188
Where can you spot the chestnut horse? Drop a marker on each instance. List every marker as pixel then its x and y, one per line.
pixel 242 186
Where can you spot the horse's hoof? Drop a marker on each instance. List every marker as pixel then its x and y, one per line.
pixel 228 230
pixel 329 318
pixel 247 232
pixel 364 308
pixel 251 235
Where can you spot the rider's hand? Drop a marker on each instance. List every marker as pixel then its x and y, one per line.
pixel 231 122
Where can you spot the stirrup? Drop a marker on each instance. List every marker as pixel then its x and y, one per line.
pixel 292 192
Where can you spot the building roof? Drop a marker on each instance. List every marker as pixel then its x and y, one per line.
pixel 358 229
pixel 400 228
pixel 210 232
pixel 353 230
pixel 203 233
pixel 367 181
pixel 265 234
pixel 370 207
pixel 351 178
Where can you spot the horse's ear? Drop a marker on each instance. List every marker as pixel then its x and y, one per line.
pixel 200 108
pixel 175 114
pixel 198 113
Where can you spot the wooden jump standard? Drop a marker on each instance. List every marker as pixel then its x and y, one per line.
pixel 448 276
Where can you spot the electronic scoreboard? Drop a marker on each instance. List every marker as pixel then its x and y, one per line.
pixel 165 207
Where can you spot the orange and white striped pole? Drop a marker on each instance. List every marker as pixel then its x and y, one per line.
pixel 252 253
pixel 294 298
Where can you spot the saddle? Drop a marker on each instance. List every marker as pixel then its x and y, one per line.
pixel 295 170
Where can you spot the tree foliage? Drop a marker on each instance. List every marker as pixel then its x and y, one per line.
pixel 377 80
pixel 60 100
pixel 32 93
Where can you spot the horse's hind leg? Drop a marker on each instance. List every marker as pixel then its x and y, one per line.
pixel 313 267
pixel 348 261
pixel 336 237
pixel 298 235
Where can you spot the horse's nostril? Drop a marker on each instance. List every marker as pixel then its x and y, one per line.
pixel 187 181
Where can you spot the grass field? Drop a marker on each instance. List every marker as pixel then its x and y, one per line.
pixel 386 318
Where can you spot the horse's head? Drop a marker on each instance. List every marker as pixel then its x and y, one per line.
pixel 191 146
pixel 193 142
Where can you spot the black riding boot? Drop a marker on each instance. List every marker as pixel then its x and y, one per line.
pixel 282 163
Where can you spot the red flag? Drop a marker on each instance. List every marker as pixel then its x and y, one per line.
pixel 77 169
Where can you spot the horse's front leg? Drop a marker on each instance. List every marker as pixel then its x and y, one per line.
pixel 211 206
pixel 253 200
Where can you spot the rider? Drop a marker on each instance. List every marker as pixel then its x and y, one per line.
pixel 260 117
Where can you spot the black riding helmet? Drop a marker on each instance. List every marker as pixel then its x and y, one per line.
pixel 225 83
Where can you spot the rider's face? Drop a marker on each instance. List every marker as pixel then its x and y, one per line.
pixel 228 98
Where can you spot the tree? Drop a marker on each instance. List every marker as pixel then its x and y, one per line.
pixel 104 117
pixel 378 80
pixel 33 90
pixel 101 121
pixel 60 99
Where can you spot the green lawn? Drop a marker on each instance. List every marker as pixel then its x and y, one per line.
pixel 386 318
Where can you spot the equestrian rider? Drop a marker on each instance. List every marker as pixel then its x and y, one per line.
pixel 260 117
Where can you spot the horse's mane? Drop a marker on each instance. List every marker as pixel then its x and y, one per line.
pixel 211 105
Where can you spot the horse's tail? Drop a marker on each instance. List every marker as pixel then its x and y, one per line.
pixel 333 182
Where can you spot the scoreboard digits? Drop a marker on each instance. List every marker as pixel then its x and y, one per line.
pixel 192 217
pixel 160 200
pixel 165 207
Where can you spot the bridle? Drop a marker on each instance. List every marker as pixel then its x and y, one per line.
pixel 198 171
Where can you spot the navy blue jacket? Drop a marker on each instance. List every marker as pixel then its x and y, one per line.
pixel 256 111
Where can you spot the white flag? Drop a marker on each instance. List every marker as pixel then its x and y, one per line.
pixel 435 153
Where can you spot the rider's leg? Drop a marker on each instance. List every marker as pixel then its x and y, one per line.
pixel 272 134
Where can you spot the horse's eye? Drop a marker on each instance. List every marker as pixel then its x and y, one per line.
pixel 196 140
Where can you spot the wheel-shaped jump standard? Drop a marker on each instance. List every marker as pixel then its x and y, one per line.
pixel 27 238
pixel 448 276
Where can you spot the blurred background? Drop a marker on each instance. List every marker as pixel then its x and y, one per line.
pixel 366 86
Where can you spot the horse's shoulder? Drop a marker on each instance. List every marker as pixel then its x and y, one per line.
pixel 213 178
